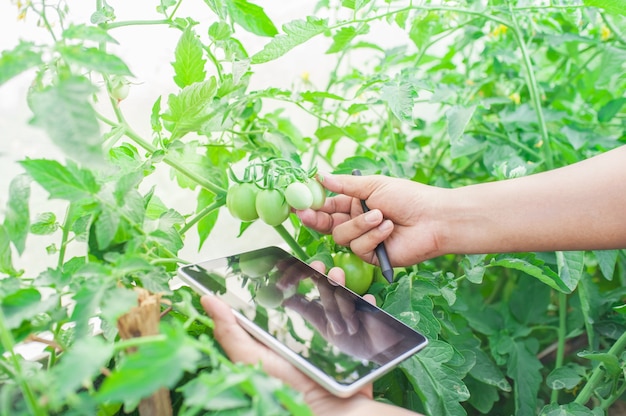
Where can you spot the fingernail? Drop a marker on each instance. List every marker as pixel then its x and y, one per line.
pixel 385 225
pixel 373 216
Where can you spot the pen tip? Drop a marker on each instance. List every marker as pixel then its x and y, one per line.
pixel 388 274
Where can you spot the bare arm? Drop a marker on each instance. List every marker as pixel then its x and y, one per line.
pixel 579 207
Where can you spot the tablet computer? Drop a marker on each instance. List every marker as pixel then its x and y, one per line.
pixel 327 331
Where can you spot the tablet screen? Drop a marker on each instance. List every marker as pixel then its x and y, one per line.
pixel 328 326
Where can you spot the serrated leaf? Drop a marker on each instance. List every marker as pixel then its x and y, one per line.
pixel 486 371
pixel 412 307
pixel 399 97
pixel 17 217
pixel 296 33
pixel 251 17
pixel 439 387
pixel 570 409
pixel 610 109
pixel 6 257
pixel 458 118
pixel 606 260
pixel 94 59
pixel 71 183
pixel 525 370
pixel 189 63
pixel 354 4
pixel 206 224
pixel 570 265
pixel 85 358
pixel 316 96
pixel 65 113
pixel 160 363
pixel 482 396
pixel 532 266
pixel 610 6
pixel 344 36
pixel 220 31
pixel 92 33
pixel 45 223
pixel 18 60
pixel 106 227
pixel 190 108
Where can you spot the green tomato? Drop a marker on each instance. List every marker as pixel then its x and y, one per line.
pixel 272 207
pixel 255 266
pixel 359 274
pixel 120 88
pixel 269 296
pixel 298 195
pixel 319 193
pixel 241 201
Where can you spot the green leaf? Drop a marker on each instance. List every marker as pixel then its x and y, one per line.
pixel 566 377
pixel 354 4
pixel 317 96
pixel 17 217
pixel 25 304
pixel 610 361
pixel 189 63
pixel 206 224
pixel 106 226
pixel 79 364
pixel 6 258
pixel 71 183
pixel 531 265
pixel 219 31
pixel 94 59
pixel 438 385
pixel 570 409
pixel 296 32
pixel 251 17
pixel 610 6
pixel 160 363
pixel 65 113
pixel 92 33
pixel 607 259
pixel 45 223
pixel 474 267
pixel 18 60
pixel 190 108
pixel 458 118
pixel 482 396
pixel 344 36
pixel 398 96
pixel 486 371
pixel 413 308
pixel 610 109
pixel 525 370
pixel 570 265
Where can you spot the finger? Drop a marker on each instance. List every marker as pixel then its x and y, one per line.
pixel 370 298
pixel 335 211
pixel 365 245
pixel 347 309
pixel 338 275
pixel 241 347
pixel 318 265
pixel 344 233
pixel 356 186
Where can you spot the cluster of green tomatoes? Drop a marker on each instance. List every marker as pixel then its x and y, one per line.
pixel 270 189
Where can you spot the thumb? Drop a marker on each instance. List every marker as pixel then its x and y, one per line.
pixel 355 186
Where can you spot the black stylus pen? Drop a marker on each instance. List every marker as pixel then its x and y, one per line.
pixel 381 251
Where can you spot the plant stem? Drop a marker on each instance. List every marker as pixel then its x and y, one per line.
pixel 533 88
pixel 598 373
pixel 206 211
pixel 291 242
pixel 116 25
pixel 562 333
pixel 65 235
pixel 139 341
pixel 8 343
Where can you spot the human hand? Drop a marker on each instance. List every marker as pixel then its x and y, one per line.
pixel 402 213
pixel 241 347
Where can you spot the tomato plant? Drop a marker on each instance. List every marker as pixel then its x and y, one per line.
pixel 445 93
pixel 359 274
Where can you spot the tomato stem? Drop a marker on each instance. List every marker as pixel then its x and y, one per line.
pixel 293 244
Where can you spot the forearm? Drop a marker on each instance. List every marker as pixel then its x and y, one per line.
pixel 579 207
